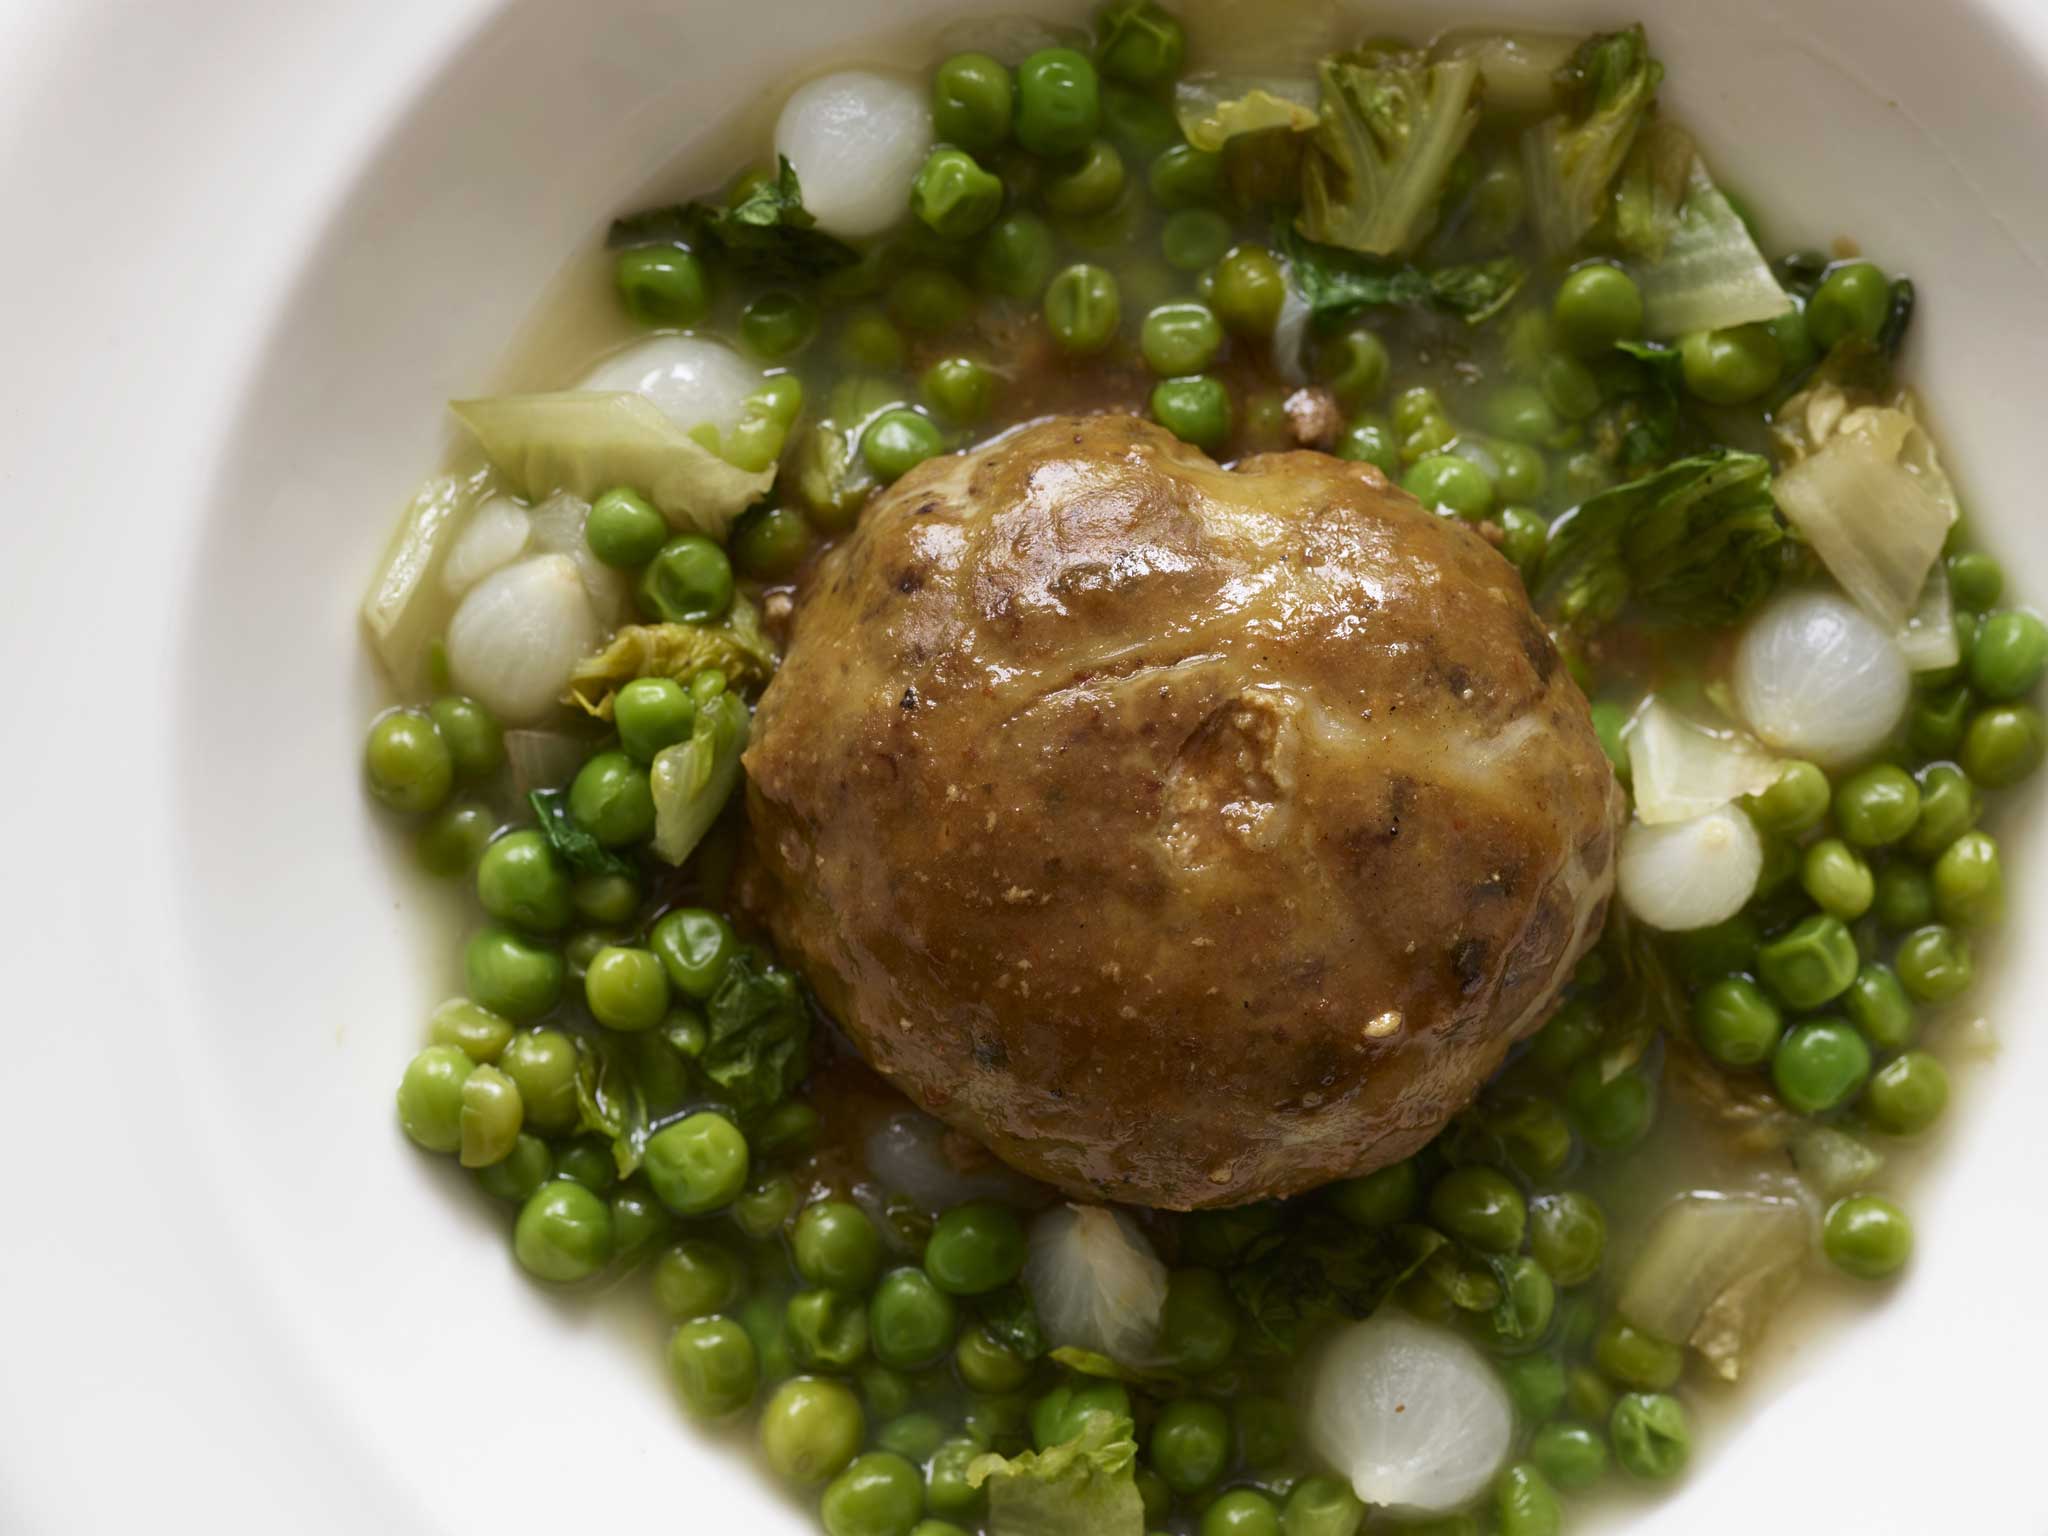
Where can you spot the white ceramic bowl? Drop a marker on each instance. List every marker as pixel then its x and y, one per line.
pixel 251 248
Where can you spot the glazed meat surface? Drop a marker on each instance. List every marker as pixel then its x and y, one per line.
pixel 1187 836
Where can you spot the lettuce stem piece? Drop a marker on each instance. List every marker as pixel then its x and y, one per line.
pixel 1392 123
pixel 693 779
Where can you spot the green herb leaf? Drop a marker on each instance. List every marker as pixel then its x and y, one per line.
pixel 759 1033
pixel 575 846
pixel 1336 283
pixel 1011 1319
pixel 769 232
pixel 1324 1271
pixel 1086 1486
pixel 1699 544
pixel 625 1085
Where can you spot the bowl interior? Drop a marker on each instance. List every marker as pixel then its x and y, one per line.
pixel 305 957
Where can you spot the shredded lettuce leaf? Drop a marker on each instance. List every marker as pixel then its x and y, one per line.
pixel 405 608
pixel 1679 769
pixel 1928 637
pixel 1651 192
pixel 1873 501
pixel 736 646
pixel 1572 159
pixel 587 441
pixel 1392 123
pixel 758 1034
pixel 1324 1270
pixel 625 1086
pixel 768 232
pixel 1520 68
pixel 1085 1487
pixel 1714 1269
pixel 1710 276
pixel 1697 543
pixel 693 779
pixel 1213 109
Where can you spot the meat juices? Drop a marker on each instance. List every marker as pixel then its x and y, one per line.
pixel 1186 836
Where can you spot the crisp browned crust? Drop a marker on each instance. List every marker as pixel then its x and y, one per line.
pixel 1185 835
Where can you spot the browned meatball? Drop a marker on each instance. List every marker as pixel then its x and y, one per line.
pixel 1188 836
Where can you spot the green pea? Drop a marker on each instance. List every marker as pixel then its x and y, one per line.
pixel 623 529
pixel 1735 1022
pixel 587 1161
pixel 953 196
pixel 1447 483
pixel 1597 305
pixel 1568 1236
pixel 947 1490
pixel 1730 367
pixel 651 713
pixel 697 1165
pixel 1529 1302
pixel 1949 807
pixel 985 1362
pixel 1571 1032
pixel 1240 1512
pixel 1519 473
pixel 1569 388
pixel 1852 300
pixel 663 285
pixel 430 1097
pixel 638 1222
pixel 1194 239
pixel 975 1248
pixel 1195 409
pixel 520 1172
pixel 971 96
pixel 1635 1358
pixel 1355 365
pixel 1905 897
pixel 1066 1411
pixel 913 1436
pixel 1370 440
pixel 2003 745
pixel 769 543
pixel 1934 964
pixel 1190 1444
pixel 1936 722
pixel 1180 339
pixel 563 1234
pixel 1082 310
pixel 828 1330
pixel 1877 806
pixel 1820 1066
pixel 1141 43
pixel 835 1245
pixel 1198 1323
pixel 1587 1395
pixel 1811 963
pixel 1838 879
pixel 1015 257
pixel 897 441
pixel 1264 1430
pixel 1611 1113
pixel 1536 1383
pixel 1867 1236
pixel 1969 883
pixel 1651 1439
pixel 1087 182
pixel 1185 177
pixel 1139 124
pixel 713 1364
pixel 1975 580
pixel 1878 1006
pixel 789 1129
pixel 476 744
pixel 1480 1206
pixel 1907 1094
pixel 777 325
pixel 512 975
pixel 959 389
pixel 478 1033
pixel 1321 1506
pixel 1520 413
pixel 1249 286
pixel 1524 1503
pixel 1382 1198
pixel 407 762
pixel 810 1429
pixel 454 839
pixel 929 299
pixel 490 1119
pixel 696 946
pixel 521 880
pixel 698 1277
pixel 1059 104
pixel 1498 202
pixel 1570 1454
pixel 911 1322
pixel 1153 1494
pixel 611 799
pixel 869 341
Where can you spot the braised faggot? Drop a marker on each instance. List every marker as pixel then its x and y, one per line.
pixel 1185 835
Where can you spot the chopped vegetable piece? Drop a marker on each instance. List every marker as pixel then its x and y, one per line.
pixel 735 647
pixel 693 779
pixel 1679 769
pixel 768 231
pixel 1710 275
pixel 1714 1268
pixel 1392 123
pixel 1086 1486
pixel 1213 109
pixel 1572 159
